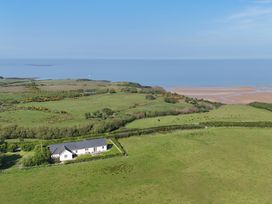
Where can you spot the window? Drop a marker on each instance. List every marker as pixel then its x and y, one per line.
pixel 86 149
pixel 65 156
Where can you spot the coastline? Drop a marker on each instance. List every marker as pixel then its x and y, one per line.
pixel 228 95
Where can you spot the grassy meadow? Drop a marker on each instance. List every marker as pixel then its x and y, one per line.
pixel 228 113
pixel 213 165
pixel 217 165
pixel 75 107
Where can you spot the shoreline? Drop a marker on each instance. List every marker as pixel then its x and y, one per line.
pixel 228 95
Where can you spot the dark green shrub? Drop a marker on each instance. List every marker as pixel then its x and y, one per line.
pixel 1 160
pixel 3 146
pixel 102 114
pixel 112 91
pixel 133 132
pixel 11 147
pixel 152 90
pixel 27 147
pixel 41 156
pixel 86 158
pixel 266 106
pixel 150 97
pixel 261 124
pixel 129 84
pixel 129 90
pixel 170 100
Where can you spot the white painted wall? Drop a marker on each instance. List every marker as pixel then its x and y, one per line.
pixel 66 155
pixel 55 156
pixel 102 148
pixel 91 150
pixel 69 155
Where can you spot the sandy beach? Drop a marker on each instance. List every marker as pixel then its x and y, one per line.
pixel 232 95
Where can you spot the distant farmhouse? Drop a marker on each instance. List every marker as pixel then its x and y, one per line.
pixel 70 150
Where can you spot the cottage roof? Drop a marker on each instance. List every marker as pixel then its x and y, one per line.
pixel 70 146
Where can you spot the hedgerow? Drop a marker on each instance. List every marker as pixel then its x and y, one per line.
pixel 261 124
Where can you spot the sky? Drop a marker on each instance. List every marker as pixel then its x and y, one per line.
pixel 154 29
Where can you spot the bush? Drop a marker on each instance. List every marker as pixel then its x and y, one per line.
pixel 1 160
pixel 86 158
pixel 41 156
pixel 3 146
pixel 112 91
pixel 265 106
pixel 27 147
pixel 150 97
pixel 11 147
pixel 103 114
pixel 152 90
pixel 129 90
pixel 133 132
pixel 260 124
pixel 170 100
pixel 113 124
pixel 129 84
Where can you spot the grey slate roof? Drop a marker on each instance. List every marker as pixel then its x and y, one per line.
pixel 58 148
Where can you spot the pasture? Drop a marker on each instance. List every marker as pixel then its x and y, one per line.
pixel 228 113
pixel 217 165
pixel 122 103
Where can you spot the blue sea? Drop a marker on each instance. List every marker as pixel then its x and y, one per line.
pixel 167 73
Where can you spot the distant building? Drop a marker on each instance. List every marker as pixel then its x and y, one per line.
pixel 69 150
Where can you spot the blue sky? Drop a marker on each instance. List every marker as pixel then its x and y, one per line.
pixel 135 29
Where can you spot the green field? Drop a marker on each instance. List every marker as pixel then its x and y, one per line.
pixel 213 165
pixel 205 166
pixel 228 113
pixel 76 108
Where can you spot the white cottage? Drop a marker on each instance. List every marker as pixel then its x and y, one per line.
pixel 69 150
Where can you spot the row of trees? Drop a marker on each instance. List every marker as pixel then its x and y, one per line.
pixel 14 131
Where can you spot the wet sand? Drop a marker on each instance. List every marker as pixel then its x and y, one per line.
pixel 232 95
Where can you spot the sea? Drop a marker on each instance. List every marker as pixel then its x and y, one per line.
pixel 167 73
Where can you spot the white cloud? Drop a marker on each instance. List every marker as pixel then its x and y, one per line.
pixel 263 1
pixel 251 13
pixel 244 33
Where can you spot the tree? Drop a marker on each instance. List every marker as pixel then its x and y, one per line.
pixel 41 156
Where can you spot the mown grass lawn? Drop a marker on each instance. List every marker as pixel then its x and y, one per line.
pixel 229 113
pixel 217 165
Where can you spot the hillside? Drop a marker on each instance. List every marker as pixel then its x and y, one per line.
pixel 68 107
pixel 206 166
pixel 165 148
